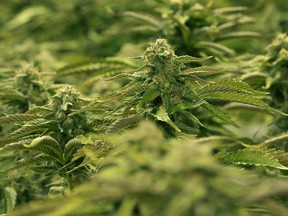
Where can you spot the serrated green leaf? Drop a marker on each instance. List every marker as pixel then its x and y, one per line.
pixel 8 94
pixel 36 125
pixel 186 105
pixel 204 71
pixel 12 146
pixel 38 110
pixel 251 157
pixel 101 66
pixel 43 169
pixel 162 115
pixel 47 145
pixel 166 100
pixel 149 95
pixel 281 155
pixel 17 118
pixel 188 59
pixel 186 129
pixel 123 123
pixel 227 85
pixel 40 158
pixel 125 92
pixel 240 98
pixel 71 147
pixel 219 114
pixel 189 116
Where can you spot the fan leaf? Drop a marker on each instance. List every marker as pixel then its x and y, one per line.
pixel 253 157
pixel 71 147
pixel 219 114
pixel 162 115
pixel 47 145
pixel 18 118
pixel 123 123
pixel 188 59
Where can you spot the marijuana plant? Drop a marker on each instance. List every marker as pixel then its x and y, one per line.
pixel 269 71
pixel 71 162
pixel 155 176
pixel 52 119
pixel 24 90
pixel 166 90
pixel 186 158
pixel 193 27
pixel 276 66
pixel 46 140
pixel 17 188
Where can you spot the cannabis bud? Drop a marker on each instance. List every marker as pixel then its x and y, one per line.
pixel 63 103
pixel 161 58
pixel 278 46
pixel 159 53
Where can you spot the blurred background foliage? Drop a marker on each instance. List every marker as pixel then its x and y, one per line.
pixel 87 27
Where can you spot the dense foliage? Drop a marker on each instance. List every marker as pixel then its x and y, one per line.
pixel 155 107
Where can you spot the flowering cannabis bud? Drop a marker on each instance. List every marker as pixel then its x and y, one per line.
pixel 28 82
pixel 65 98
pixel 161 60
pixel 278 46
pixel 160 51
pixel 63 103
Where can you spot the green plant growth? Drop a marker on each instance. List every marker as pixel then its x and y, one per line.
pixel 52 119
pixel 168 91
pixel 45 156
pixel 190 126
pixel 24 89
pixel 193 27
pixel 155 176
pixel 270 71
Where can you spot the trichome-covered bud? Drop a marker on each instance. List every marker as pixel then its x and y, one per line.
pixel 28 82
pixel 278 48
pixel 65 98
pixel 161 59
pixel 63 103
pixel 159 52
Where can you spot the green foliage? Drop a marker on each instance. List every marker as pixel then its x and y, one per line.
pixel 53 118
pixel 258 157
pixel 24 90
pixel 167 90
pixel 45 156
pixel 193 27
pixel 275 66
pixel 212 143
pixel 155 176
pixel 272 75
pixel 8 194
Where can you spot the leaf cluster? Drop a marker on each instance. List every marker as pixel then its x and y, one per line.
pixel 146 178
pixel 194 27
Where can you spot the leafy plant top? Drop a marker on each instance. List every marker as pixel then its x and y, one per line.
pixel 193 27
pixel 167 90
